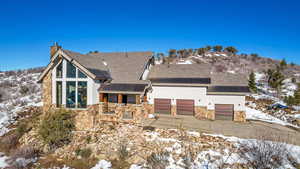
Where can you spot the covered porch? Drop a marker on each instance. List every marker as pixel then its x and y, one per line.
pixel 122 101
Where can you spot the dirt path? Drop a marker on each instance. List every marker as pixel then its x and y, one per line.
pixel 251 129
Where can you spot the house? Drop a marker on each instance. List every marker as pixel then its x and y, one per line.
pixel 128 86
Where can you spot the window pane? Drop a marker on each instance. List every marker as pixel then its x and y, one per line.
pixel 131 99
pixel 71 70
pixel 82 95
pixel 70 95
pixel 58 94
pixel 113 98
pixel 81 75
pixel 59 71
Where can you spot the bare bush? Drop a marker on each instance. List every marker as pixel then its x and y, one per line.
pixel 3 95
pixel 123 153
pixel 22 157
pixel 158 160
pixel 220 68
pixel 267 152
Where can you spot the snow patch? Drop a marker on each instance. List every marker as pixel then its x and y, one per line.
pixel 253 114
pixel 103 164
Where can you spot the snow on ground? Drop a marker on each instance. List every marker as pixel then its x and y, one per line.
pixel 102 164
pixel 289 87
pixel 184 62
pixel 18 101
pixel 253 114
pixel 3 159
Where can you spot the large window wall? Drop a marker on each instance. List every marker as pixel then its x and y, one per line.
pixel 71 86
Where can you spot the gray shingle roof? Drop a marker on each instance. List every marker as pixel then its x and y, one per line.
pixel 124 67
pixel 92 63
pixel 228 79
pixel 180 71
pixel 121 67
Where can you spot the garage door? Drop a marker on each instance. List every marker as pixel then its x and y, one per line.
pixel 224 111
pixel 162 106
pixel 185 107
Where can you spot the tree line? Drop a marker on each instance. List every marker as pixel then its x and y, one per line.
pixel 183 53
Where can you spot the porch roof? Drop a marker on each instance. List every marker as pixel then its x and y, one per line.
pixel 128 88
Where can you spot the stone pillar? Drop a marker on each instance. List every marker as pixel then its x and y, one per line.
pixel 120 97
pixel 239 116
pixel 138 99
pixel 101 97
pixel 173 110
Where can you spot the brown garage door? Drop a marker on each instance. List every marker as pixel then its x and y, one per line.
pixel 162 106
pixel 185 107
pixel 224 111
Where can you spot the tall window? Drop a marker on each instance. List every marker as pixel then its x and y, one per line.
pixel 59 71
pixel 71 95
pixel 71 84
pixel 81 75
pixel 82 94
pixel 58 94
pixel 71 70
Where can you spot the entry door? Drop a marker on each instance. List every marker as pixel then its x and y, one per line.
pixel 185 107
pixel 224 111
pixel 162 106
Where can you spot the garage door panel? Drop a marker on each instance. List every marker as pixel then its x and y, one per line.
pixel 224 111
pixel 185 107
pixel 162 106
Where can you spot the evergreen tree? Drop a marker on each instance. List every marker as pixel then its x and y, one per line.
pixel 297 95
pixel 172 53
pixel 283 64
pixel 208 48
pixel 251 82
pixel 218 48
pixel 201 51
pixel 231 49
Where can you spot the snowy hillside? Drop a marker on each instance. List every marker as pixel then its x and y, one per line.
pixel 18 89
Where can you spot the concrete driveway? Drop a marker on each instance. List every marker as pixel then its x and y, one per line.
pixel 250 129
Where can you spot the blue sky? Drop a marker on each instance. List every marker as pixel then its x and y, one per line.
pixel 270 28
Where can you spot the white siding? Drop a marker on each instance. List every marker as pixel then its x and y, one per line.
pixel 198 94
pixel 237 101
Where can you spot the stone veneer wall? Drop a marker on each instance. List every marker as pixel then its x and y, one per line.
pixel 47 92
pixel 239 116
pixel 203 113
pixel 139 112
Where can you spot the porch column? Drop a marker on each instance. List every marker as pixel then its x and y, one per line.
pixel 138 99
pixel 120 98
pixel 101 97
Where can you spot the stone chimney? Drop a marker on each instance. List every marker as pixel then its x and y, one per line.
pixel 53 49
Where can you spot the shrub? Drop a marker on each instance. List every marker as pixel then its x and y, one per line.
pixel 158 160
pixel 9 142
pixel 24 90
pixel 85 153
pixel 122 150
pixel 265 152
pixel 56 128
pixel 23 156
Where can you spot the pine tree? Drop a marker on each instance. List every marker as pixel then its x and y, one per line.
pixel 251 82
pixel 172 53
pixel 297 95
pixel 282 64
pixel 218 48
pixel 231 49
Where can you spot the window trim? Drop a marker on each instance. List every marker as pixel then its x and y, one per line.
pixel 64 81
